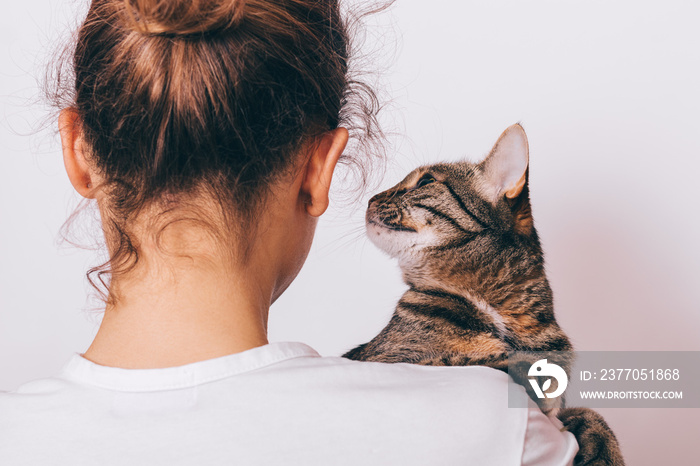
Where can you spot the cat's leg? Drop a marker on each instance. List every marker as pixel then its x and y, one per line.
pixel 496 361
pixel 598 445
pixel 357 354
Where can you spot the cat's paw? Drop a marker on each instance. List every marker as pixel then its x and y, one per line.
pixel 598 445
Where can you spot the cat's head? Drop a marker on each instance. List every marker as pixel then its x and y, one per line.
pixel 462 205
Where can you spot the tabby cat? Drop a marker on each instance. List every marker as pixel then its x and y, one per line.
pixel 464 237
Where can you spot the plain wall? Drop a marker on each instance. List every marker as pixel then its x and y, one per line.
pixel 608 94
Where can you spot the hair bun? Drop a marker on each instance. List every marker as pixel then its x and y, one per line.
pixel 182 17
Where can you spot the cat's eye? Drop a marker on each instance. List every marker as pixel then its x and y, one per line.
pixel 425 179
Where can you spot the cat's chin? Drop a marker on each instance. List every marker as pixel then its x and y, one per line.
pixel 401 243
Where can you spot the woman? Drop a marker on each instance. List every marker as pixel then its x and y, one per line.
pixel 208 134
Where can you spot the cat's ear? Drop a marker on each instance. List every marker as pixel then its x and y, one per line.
pixel 506 165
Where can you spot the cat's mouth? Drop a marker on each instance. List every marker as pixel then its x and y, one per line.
pixel 390 226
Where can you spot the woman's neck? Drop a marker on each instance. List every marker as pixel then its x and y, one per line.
pixel 171 315
pixel 188 298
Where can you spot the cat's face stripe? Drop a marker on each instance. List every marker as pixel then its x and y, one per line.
pixel 464 208
pixel 441 215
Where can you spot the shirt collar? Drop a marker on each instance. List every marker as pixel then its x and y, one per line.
pixel 84 371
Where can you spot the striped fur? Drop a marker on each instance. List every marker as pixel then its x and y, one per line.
pixel 468 250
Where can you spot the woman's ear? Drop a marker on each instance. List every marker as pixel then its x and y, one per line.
pixel 73 144
pixel 320 168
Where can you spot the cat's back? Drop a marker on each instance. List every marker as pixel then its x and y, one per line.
pixel 285 405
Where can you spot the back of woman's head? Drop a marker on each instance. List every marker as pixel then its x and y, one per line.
pixel 216 96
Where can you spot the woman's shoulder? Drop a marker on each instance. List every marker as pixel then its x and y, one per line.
pixel 406 375
pixel 438 390
pixel 279 371
pixel 294 362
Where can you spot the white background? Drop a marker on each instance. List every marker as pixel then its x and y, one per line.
pixel 608 94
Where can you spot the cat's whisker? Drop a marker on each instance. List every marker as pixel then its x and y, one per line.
pixel 345 240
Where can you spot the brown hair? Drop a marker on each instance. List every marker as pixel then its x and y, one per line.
pixel 179 96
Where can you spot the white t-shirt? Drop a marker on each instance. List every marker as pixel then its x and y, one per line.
pixel 278 404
